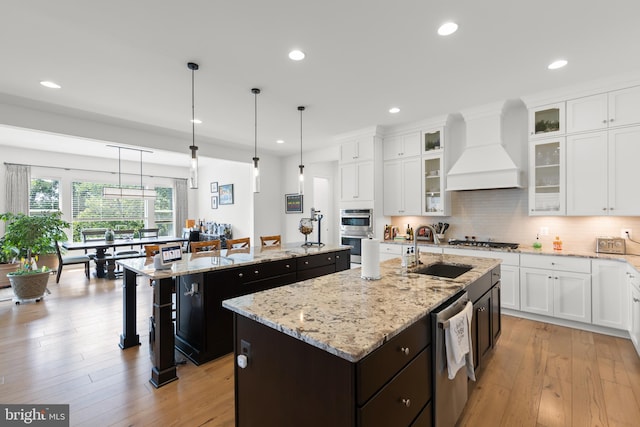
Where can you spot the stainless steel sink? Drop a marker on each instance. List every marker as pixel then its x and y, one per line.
pixel 441 269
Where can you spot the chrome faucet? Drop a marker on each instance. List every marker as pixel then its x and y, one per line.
pixel 436 241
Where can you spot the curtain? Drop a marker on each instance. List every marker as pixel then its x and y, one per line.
pixel 17 179
pixel 181 208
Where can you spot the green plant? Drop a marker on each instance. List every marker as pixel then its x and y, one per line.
pixel 31 235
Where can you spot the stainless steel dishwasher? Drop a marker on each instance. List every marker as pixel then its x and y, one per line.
pixel 450 396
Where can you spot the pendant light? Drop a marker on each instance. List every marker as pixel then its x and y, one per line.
pixel 193 170
pixel 301 166
pixel 121 192
pixel 256 169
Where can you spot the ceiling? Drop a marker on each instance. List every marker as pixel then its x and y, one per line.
pixel 127 60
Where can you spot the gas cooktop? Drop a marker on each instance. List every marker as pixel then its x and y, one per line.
pixel 495 245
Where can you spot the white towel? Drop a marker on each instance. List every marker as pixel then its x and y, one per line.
pixel 457 338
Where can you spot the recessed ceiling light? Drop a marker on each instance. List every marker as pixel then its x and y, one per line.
pixel 394 110
pixel 447 28
pixel 296 55
pixel 280 141
pixel 196 121
pixel 557 64
pixel 50 85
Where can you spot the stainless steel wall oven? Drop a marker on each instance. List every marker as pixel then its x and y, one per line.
pixel 355 225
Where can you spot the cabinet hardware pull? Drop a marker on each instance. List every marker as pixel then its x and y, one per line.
pixel 604 121
pixel 556 278
pixel 406 402
pixel 549 277
pixel 256 272
pixel 611 120
pixel 404 350
pixel 287 266
pixel 239 274
pixel 604 209
pixel 328 258
pixel 482 308
pixel 636 300
pixel 306 263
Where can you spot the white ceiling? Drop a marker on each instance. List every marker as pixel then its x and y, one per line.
pixel 127 59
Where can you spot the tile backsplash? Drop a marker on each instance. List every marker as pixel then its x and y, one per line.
pixel 502 216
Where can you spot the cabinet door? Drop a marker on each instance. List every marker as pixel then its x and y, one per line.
pixel 365 181
pixel 484 334
pixel 392 196
pixel 624 173
pixel 547 177
pixel 391 148
pixel 610 305
pixel 588 113
pixel 624 107
pixel 634 330
pixel 547 120
pixel 587 174
pixel 349 151
pixel 433 140
pixel 496 320
pixel 411 144
pixel 411 188
pixel 436 201
pixel 348 182
pixel 510 287
pixel 572 296
pixel 536 291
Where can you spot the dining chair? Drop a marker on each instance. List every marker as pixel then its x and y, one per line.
pixel 93 235
pixel 149 232
pixel 151 250
pixel 270 240
pixel 205 245
pixel 71 260
pixel 239 243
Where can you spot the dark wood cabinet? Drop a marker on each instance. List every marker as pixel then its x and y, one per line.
pixel 486 323
pixel 204 329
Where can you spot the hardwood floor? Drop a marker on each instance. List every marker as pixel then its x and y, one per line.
pixel 65 350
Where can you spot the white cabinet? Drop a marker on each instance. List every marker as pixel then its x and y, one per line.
pixel 547 120
pixel 605 110
pixel 610 294
pixel 389 251
pixel 602 173
pixel 356 150
pixel 401 146
pixel 356 181
pixel 547 177
pixel 402 189
pixel 556 286
pixel 436 200
pixel 433 140
pixel 634 325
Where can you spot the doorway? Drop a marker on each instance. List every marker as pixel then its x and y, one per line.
pixel 322 202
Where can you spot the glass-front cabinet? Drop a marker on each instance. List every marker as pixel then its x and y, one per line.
pixel 547 120
pixel 433 140
pixel 436 200
pixel 547 177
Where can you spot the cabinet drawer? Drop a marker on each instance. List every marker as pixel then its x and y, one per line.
pixel 400 401
pixel 381 365
pixel 264 270
pixel 310 273
pixel 560 263
pixel 313 261
pixel 343 260
pixel 391 249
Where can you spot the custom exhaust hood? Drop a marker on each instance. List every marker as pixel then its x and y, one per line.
pixel 484 163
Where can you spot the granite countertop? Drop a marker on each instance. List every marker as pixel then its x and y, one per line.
pixel 350 317
pixel 198 262
pixel 633 260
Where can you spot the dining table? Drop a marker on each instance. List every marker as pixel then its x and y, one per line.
pixel 106 264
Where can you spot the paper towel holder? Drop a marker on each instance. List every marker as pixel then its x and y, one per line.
pixel 376 274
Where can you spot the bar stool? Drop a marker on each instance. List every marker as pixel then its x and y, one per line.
pixel 205 245
pixel 270 240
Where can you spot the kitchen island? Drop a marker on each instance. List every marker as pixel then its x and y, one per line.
pixel 340 350
pixel 200 281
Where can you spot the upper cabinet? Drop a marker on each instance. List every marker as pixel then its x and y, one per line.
pixel 547 121
pixel 605 110
pixel 433 140
pixel 436 199
pixel 401 146
pixel 547 177
pixel 356 150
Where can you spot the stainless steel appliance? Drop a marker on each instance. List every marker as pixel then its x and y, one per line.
pixel 610 245
pixel 355 225
pixel 450 396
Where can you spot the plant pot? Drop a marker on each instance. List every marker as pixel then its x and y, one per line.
pixel 4 270
pixel 29 286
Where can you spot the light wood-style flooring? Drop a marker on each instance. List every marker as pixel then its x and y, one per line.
pixel 65 350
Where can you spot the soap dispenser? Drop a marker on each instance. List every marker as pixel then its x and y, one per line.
pixel 537 244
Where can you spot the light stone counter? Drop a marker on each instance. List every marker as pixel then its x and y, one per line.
pixel 226 258
pixel 350 317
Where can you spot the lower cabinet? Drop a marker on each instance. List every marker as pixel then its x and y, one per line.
pixel 610 294
pixel 204 329
pixel 634 326
pixel 486 323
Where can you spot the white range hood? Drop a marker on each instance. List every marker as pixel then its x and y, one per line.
pixel 484 163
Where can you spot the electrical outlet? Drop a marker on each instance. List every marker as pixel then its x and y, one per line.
pixel 544 231
pixel 625 233
pixel 245 348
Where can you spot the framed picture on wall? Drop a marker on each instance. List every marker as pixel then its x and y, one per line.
pixel 214 187
pixel 214 202
pixel 226 194
pixel 293 203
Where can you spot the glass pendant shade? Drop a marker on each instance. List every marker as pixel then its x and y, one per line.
pixel 193 170
pixel 256 159
pixel 256 176
pixel 301 166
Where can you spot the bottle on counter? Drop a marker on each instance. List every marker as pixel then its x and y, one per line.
pixel 537 244
pixel 408 233
pixel 557 244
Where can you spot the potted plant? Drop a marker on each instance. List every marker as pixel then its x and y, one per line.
pixel 30 236
pixel 7 263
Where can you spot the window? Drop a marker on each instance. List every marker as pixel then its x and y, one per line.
pixel 91 210
pixel 44 195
